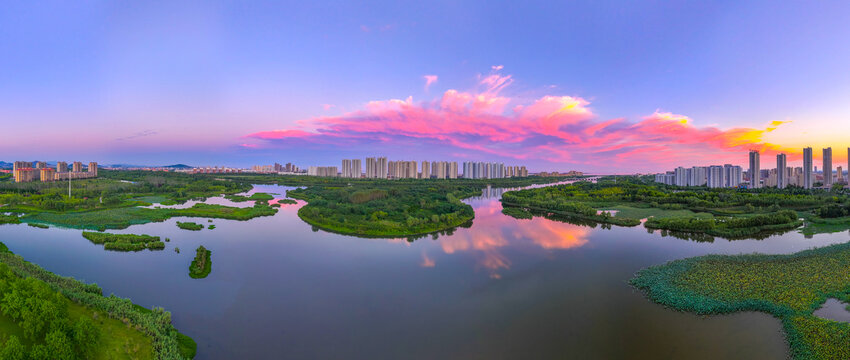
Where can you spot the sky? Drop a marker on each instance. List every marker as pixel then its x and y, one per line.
pixel 596 86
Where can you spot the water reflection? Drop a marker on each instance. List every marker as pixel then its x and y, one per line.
pixel 493 231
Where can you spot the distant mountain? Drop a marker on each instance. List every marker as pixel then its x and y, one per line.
pixel 127 166
pixel 5 165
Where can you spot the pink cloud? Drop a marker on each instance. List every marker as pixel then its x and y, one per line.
pixel 429 79
pixel 484 123
pixel 328 106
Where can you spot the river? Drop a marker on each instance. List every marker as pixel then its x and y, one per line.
pixel 502 288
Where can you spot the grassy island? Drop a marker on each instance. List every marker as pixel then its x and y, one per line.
pixel 789 287
pixel 49 316
pixel 190 226
pixel 287 202
pixel 517 213
pixel 125 242
pixel 201 264
pixel 254 197
pixel 39 226
pixel 392 208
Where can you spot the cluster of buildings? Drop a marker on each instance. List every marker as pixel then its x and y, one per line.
pixel 276 169
pixel 381 168
pixel 781 176
pixel 25 171
pixel 714 176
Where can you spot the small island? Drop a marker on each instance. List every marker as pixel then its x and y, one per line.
pixel 287 202
pixel 201 264
pixel 789 287
pixel 190 226
pixel 124 242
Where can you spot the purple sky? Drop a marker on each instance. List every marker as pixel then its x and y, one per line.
pixel 593 86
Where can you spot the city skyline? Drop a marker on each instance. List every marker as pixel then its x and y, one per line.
pixel 119 91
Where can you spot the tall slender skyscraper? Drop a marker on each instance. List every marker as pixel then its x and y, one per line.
pixel 827 167
pixel 808 179
pixel 781 171
pixel 755 169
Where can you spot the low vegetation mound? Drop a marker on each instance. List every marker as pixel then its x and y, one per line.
pixel 201 264
pixel 789 287
pixel 190 226
pixel 124 242
pixel 729 227
pixel 254 197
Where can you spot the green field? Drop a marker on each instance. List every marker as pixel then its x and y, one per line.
pixel 789 287
pixel 121 218
pixel 623 210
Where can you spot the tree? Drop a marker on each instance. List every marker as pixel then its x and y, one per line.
pixel 86 336
pixel 13 350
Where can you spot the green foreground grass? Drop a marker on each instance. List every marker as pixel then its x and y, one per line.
pixel 118 328
pixel 789 287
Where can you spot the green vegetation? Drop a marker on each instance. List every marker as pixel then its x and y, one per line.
pixel 114 189
pixel 729 227
pixel 789 287
pixel 122 218
pixel 393 207
pixel 254 197
pixel 190 226
pixel 201 265
pixel 729 213
pixel 46 316
pixel 9 219
pixel 518 213
pixel 287 202
pixel 211 227
pixel 40 226
pixel 124 242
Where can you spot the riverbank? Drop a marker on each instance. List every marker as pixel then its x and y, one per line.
pixel 117 322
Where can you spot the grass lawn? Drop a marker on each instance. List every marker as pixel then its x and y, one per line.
pixel 643 213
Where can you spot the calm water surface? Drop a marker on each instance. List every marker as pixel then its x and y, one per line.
pixel 500 289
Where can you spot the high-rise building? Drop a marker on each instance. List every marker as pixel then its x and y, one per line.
pixel 346 168
pixel 21 165
pixel 781 171
pixel 734 175
pixel 697 176
pixel 47 174
pixel 77 166
pixel 325 171
pixel 681 176
pixel 426 170
pixel 808 179
pixel 840 175
pixel 827 167
pixel 755 169
pixel 452 167
pixel 356 168
pixel 61 167
pixel 40 165
pixel 93 168
pixel 715 177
